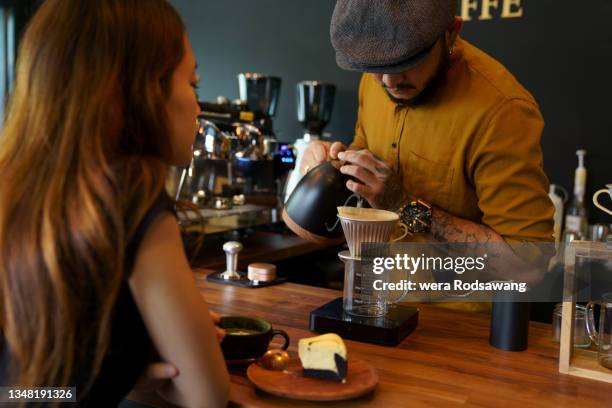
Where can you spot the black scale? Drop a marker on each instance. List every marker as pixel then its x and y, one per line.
pixel 388 330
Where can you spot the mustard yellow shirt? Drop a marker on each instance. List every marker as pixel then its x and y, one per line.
pixel 472 149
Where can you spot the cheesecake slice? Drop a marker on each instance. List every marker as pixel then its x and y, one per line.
pixel 324 357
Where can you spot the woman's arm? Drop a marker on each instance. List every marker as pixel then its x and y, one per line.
pixel 177 318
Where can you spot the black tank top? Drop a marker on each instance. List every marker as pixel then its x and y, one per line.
pixel 130 346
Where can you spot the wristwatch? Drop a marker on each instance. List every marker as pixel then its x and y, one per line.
pixel 416 214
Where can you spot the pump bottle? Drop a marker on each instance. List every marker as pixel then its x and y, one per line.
pixel 576 216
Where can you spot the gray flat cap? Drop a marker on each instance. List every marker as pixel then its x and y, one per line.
pixel 387 36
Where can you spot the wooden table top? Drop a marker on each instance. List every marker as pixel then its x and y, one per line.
pixel 447 361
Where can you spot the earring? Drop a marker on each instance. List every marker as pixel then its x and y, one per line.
pixel 450 50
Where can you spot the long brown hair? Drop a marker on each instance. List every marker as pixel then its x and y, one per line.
pixel 82 146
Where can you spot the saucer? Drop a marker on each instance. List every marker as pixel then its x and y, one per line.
pixel 361 379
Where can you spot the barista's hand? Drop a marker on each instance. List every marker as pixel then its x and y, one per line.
pixel 319 152
pixel 375 180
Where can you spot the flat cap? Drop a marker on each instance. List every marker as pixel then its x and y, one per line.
pixel 387 36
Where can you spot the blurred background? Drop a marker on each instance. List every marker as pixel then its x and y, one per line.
pixel 560 50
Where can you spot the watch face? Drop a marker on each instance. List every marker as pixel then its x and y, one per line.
pixel 417 217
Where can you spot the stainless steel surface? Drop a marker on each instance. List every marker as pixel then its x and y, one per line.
pixel 231 249
pixel 598 232
pixel 222 100
pixel 276 360
pixel 181 183
pixel 211 142
pixel 201 198
pixel 215 221
pixel 250 142
pixel 269 147
pixel 240 156
pixel 238 199
pixel 222 203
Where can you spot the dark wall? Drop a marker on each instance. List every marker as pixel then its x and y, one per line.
pixel 562 53
pixel 286 38
pixel 560 50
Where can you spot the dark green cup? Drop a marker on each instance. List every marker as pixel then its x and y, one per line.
pixel 248 337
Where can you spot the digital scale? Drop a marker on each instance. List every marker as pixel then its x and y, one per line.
pixel 388 330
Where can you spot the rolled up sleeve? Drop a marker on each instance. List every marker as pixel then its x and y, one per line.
pixel 506 168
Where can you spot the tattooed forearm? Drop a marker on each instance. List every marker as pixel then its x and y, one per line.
pixel 503 261
pixel 383 172
pixel 448 228
pixel 394 195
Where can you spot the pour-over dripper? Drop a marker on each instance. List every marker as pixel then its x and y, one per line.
pixel 368 225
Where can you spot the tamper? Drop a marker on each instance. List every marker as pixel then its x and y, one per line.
pixel 231 249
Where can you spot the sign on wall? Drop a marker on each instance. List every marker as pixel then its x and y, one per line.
pixel 490 9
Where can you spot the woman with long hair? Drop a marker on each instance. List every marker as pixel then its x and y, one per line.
pixel 93 276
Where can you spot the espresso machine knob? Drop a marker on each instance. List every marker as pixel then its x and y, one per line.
pixel 231 249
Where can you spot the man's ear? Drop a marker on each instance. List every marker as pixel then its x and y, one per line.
pixel 453 32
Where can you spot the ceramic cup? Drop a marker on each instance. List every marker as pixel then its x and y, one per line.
pixel 248 337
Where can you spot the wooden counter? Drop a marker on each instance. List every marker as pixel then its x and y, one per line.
pixel 446 362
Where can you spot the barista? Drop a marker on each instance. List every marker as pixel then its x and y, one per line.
pixel 445 135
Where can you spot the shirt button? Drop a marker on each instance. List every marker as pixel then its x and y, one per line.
pixel 394 145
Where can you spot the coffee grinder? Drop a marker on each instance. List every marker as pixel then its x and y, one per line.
pixel 315 101
pixel 261 93
pixel 365 313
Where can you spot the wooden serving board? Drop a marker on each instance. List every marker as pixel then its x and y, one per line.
pixel 291 383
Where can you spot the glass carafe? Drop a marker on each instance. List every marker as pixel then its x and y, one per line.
pixel 365 293
pixel 603 337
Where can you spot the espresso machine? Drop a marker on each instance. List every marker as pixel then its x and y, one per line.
pixel 315 101
pixel 236 153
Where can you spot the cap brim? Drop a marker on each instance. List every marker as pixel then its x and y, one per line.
pixel 400 66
